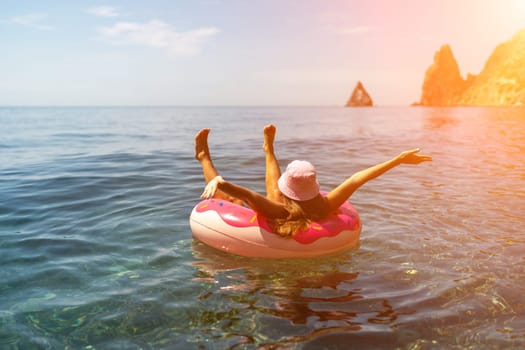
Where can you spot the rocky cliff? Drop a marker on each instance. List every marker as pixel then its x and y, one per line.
pixel 359 97
pixel 500 83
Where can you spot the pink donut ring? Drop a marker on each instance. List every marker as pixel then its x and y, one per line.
pixel 239 230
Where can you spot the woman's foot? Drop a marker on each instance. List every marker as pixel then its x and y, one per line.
pixel 201 145
pixel 269 136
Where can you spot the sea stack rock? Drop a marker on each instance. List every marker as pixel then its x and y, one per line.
pixel 500 83
pixel 443 84
pixel 359 97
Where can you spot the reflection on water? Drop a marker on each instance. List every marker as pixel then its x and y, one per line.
pixel 437 118
pixel 298 301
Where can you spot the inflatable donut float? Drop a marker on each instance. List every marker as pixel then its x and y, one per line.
pixel 239 230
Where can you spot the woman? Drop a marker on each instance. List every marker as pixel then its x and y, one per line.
pixel 293 198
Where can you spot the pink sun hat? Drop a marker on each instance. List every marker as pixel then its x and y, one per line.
pixel 299 181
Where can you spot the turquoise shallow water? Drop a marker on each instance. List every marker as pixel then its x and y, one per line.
pixel 96 250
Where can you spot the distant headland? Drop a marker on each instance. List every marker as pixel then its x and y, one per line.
pixel 500 83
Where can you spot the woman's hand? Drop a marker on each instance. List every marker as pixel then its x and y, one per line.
pixel 211 187
pixel 411 157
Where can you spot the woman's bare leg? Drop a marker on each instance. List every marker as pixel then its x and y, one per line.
pixel 273 172
pixel 202 154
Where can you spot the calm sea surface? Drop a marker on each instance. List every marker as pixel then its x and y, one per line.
pixel 96 250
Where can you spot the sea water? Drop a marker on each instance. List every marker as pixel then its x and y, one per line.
pixel 96 250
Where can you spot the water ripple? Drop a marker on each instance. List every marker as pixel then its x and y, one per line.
pixel 96 250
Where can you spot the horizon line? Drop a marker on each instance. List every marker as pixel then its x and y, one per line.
pixel 188 106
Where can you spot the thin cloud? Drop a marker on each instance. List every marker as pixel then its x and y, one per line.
pixel 158 34
pixel 357 30
pixel 103 11
pixel 32 20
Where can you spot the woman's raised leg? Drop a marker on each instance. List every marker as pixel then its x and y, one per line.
pixel 202 154
pixel 273 172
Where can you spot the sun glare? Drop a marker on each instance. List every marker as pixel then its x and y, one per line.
pixel 518 5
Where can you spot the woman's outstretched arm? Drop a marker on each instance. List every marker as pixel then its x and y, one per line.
pixel 256 201
pixel 342 192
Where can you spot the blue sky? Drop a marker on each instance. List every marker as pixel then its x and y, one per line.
pixel 220 52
